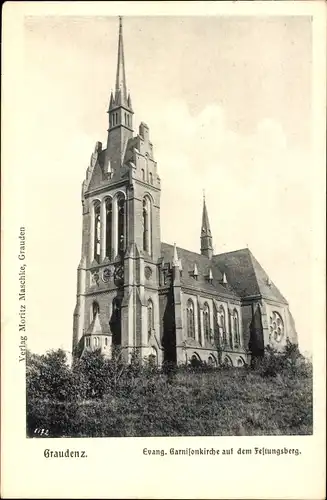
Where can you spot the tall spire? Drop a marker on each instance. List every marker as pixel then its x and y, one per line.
pixel 120 90
pixel 205 229
pixel 120 112
pixel 206 238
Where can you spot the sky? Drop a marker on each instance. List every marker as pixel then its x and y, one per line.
pixel 228 103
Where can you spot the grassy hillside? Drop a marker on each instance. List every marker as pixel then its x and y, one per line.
pixel 187 402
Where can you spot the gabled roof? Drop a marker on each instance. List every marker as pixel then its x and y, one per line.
pixel 246 275
pixel 203 264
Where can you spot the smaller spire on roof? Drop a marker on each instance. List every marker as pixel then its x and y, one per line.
pixel 224 279
pixel 112 101
pixel 205 219
pixel 206 238
pixel 129 101
pixel 176 261
pixel 195 271
pixel 210 276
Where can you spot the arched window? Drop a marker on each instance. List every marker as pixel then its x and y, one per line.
pixel 109 228
pixel 222 323
pixel 227 361
pixel 153 357
pixel 196 361
pixel 236 328
pixel 87 341
pixel 150 317
pixel 96 341
pixel 212 360
pixel 147 225
pixel 121 222
pixel 97 229
pixel 151 178
pixel 106 341
pixel 190 319
pixel 206 322
pixel 143 174
pixel 95 310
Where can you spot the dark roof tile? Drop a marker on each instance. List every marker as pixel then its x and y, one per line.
pixel 246 275
pixel 204 264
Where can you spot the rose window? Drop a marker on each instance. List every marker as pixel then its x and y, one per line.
pixel 276 327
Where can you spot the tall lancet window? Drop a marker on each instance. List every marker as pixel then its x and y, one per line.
pixel 236 328
pixel 222 323
pixel 147 225
pixel 150 317
pixel 94 310
pixel 109 228
pixel 121 222
pixel 190 319
pixel 206 322
pixel 97 229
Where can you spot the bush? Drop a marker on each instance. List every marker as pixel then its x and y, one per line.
pixel 99 397
pixel 289 362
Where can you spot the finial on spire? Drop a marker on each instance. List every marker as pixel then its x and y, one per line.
pixel 204 194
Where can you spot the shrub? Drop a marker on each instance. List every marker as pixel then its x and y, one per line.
pixel 99 397
pixel 289 362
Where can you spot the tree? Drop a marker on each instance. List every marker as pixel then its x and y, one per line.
pixel 48 375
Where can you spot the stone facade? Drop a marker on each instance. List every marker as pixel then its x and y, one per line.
pixel 143 295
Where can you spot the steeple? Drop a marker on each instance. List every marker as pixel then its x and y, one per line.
pixel 120 89
pixel 120 97
pixel 120 111
pixel 206 238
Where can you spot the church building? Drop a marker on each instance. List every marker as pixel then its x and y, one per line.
pixel 153 298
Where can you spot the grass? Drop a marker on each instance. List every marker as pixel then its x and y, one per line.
pixel 224 402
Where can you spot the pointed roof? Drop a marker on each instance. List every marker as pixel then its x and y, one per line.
pixel 205 228
pixel 120 89
pixel 97 327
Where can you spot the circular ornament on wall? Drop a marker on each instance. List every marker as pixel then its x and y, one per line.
pixel 276 327
pixel 107 274
pixel 147 272
pixel 94 278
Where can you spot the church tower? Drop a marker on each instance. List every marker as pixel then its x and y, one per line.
pixel 117 287
pixel 206 238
